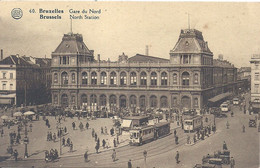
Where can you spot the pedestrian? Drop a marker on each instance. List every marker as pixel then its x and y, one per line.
pixel 65 130
pixel 104 143
pixel 15 155
pixel 244 128
pixel 30 127
pixel 177 157
pixel 188 139
pixel 71 147
pixel 2 132
pixel 232 162
pixel 176 140
pixel 112 131
pixel 227 124
pixel 63 141
pixel 105 130
pixel 194 138
pixel 225 146
pixel 73 125
pixel 95 136
pixel 117 139
pixel 86 156
pixel 93 132
pixel 114 141
pixel 129 164
pixel 81 126
pixel 98 142
pixel 97 147
pixel 114 155
pixel 175 133
pixel 54 137
pixel 68 142
pixel 102 130
pixel 107 142
pixel 87 125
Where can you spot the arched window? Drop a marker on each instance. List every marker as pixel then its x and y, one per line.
pixel 142 102
pixel 186 102
pixel 103 78
pixel 73 78
pixel 196 102
pixel 55 99
pixel 164 79
pixel 84 100
pixel 123 78
pixel 93 102
pixel 122 101
pixel 164 102
pixel 133 101
pixel 112 101
pixel 196 78
pixel 185 79
pixel 93 78
pixel 73 99
pixel 103 100
pixel 55 78
pixel 174 78
pixel 64 78
pixel 64 100
pixel 112 78
pixel 153 101
pixel 84 78
pixel 133 78
pixel 174 102
pixel 143 79
pixel 154 79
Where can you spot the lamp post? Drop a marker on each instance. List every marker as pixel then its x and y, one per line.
pixel 145 155
pixel 59 129
pixel 26 140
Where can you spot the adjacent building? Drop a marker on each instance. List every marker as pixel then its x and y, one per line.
pixel 189 79
pixel 24 80
pixel 255 82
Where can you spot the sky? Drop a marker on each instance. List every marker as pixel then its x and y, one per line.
pixel 231 29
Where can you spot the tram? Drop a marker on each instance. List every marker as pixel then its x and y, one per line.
pixel 192 123
pixel 140 135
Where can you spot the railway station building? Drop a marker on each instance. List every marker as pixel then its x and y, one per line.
pixel 188 79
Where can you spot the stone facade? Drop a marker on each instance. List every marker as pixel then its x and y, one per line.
pixel 255 81
pixel 187 80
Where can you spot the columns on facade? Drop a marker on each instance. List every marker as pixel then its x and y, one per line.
pixel 138 78
pixel 98 77
pixel 159 78
pixel 148 80
pixel 108 78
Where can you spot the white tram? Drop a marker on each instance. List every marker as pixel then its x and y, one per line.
pixel 140 135
pixel 192 123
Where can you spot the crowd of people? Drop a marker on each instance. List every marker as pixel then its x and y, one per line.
pixel 51 155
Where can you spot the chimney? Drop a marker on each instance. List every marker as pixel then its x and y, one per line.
pixel 2 55
pixel 18 59
pixel 220 57
pixel 98 57
pixel 147 50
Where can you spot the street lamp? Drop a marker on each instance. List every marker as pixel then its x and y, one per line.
pixel 26 140
pixel 145 155
pixel 59 129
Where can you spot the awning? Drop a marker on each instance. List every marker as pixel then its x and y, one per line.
pixel 5 101
pixel 126 123
pixel 220 97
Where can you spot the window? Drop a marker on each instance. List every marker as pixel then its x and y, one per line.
pixel 133 78
pixel 143 79
pixel 55 99
pixel 256 76
pixel 84 78
pixel 11 75
pixel 153 79
pixel 11 86
pixel 73 99
pixel 113 78
pixel 175 79
pixel 256 88
pixel 153 101
pixel 4 75
pixel 64 78
pixel 103 80
pixel 55 78
pixel 73 78
pixel 64 60
pixel 196 78
pixel 123 78
pixel 164 79
pixel 4 86
pixel 196 102
pixel 93 78
pixel 174 101
pixel 185 79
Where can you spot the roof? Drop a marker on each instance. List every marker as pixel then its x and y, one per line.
pixel 145 58
pixel 191 41
pixel 15 60
pixel 135 117
pixel 73 43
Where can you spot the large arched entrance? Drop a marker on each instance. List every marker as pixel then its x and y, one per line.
pixel 112 102
pixel 186 102
pixel 64 100
pixel 133 102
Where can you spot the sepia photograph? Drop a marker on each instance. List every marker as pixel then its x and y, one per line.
pixel 129 84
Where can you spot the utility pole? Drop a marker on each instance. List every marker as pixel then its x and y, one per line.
pixel 26 140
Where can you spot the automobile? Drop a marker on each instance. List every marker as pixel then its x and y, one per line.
pixel 224 107
pixel 236 101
